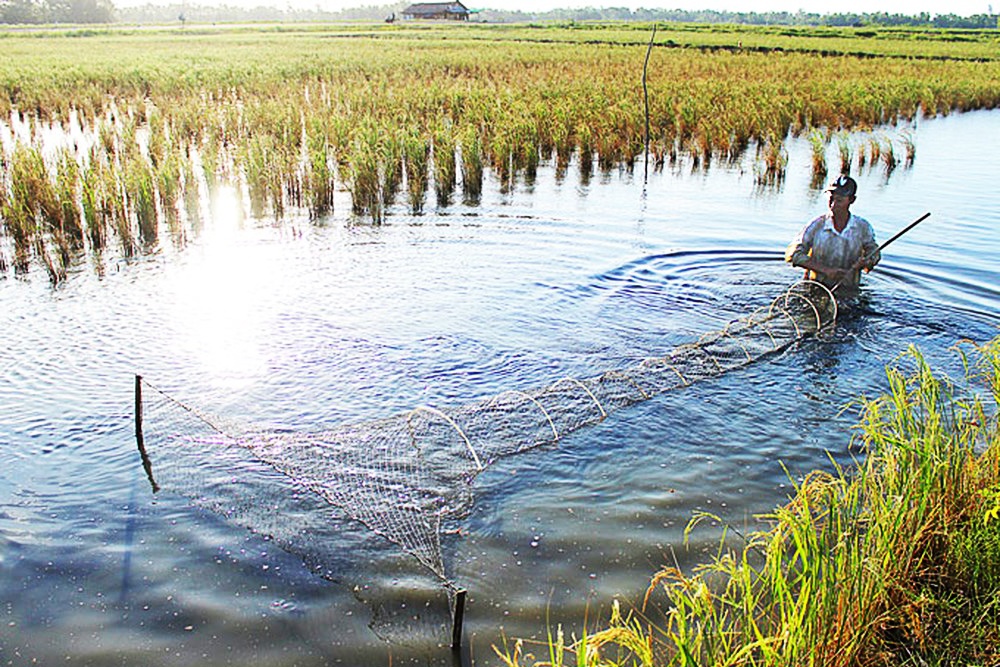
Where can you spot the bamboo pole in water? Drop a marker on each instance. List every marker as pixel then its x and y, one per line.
pixel 147 465
pixel 456 628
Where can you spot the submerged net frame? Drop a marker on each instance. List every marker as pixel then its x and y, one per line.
pixel 403 477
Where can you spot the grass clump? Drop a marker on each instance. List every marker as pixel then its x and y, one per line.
pixel 896 563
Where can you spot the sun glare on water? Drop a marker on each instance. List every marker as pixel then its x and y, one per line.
pixel 222 296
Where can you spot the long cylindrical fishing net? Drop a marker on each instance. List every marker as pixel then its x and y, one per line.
pixel 404 476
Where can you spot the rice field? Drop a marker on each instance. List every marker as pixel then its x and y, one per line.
pixel 113 140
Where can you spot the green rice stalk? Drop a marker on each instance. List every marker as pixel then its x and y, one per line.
pixel 817 143
pixel 192 193
pixel 141 195
pixel 585 152
pixel 888 155
pixel 445 169
pixel 256 166
pixel 416 153
pixel 32 197
pixel 844 151
pixel 471 149
pixel 168 187
pixel 772 161
pixel 365 182
pixel 320 171
pixel 910 147
pixel 68 183
pixel 93 200
pixel 391 160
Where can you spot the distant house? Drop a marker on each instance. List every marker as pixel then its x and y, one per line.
pixel 448 11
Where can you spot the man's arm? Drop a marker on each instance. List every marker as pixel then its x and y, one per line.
pixel 870 253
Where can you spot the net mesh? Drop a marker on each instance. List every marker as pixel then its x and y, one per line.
pixel 406 476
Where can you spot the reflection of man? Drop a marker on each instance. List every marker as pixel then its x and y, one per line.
pixel 834 247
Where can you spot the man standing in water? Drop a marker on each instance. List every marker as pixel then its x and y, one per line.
pixel 834 247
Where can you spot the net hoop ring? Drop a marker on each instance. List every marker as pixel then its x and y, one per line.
pixel 451 422
pixel 831 299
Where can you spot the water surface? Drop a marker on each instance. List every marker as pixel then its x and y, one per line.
pixel 309 326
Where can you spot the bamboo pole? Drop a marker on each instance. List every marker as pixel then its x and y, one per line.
pixel 147 465
pixel 645 95
pixel 456 629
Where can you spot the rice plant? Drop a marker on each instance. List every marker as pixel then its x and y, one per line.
pixel 365 182
pixel 445 172
pixel 817 144
pixel 472 166
pixel 94 195
pixel 416 151
pixel 391 159
pixel 32 206
pixel 888 155
pixel 320 170
pixel 192 197
pixel 772 161
pixel 895 562
pixel 140 193
pixel 68 194
pixel 874 150
pixel 910 148
pixel 844 151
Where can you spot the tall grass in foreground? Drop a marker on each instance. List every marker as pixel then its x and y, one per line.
pixel 897 563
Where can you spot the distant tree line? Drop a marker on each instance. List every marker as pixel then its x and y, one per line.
pixel 923 19
pixel 56 11
pixel 104 11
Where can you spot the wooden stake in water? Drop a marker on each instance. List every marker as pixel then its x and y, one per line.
pixel 147 465
pixel 645 95
pixel 456 629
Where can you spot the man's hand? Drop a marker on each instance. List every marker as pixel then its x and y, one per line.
pixel 837 275
pixel 862 263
